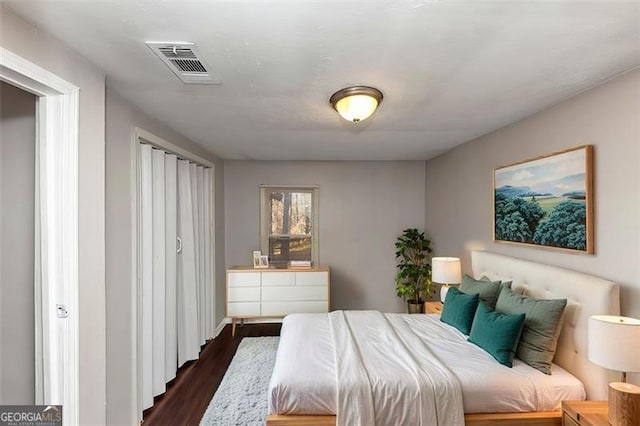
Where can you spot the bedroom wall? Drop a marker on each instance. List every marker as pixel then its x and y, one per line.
pixel 121 118
pixel 39 47
pixel 458 202
pixel 17 207
pixel 363 207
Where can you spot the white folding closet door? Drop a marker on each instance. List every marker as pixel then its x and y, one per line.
pixel 202 260
pixel 208 255
pixel 188 341
pixel 196 203
pixel 146 272
pixel 159 271
pixel 171 267
pixel 175 265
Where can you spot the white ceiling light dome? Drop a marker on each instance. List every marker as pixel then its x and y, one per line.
pixel 356 103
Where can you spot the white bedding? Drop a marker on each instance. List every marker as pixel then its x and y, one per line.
pixel 386 375
pixel 304 376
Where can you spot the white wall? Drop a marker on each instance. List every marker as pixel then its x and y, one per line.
pixel 105 346
pixel 121 118
pixel 17 207
pixel 42 49
pixel 364 206
pixel 459 183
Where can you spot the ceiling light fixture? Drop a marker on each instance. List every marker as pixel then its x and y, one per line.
pixel 356 103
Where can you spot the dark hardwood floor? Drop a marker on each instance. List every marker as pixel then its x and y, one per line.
pixel 188 395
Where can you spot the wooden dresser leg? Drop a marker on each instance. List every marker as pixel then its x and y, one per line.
pixel 233 327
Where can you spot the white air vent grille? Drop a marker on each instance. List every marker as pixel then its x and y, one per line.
pixel 186 65
pixel 174 52
pixel 184 60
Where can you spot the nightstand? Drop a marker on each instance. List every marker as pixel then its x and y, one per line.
pixel 433 307
pixel 585 413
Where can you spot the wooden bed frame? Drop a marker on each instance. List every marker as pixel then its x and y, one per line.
pixel 586 295
pixel 546 418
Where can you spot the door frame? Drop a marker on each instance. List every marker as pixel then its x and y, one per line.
pixel 56 230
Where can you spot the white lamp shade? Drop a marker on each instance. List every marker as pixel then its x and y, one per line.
pixel 614 342
pixel 446 270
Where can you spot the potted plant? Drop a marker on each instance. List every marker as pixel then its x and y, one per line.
pixel 413 279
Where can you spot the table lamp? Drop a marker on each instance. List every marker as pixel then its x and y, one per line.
pixel 446 271
pixel 614 343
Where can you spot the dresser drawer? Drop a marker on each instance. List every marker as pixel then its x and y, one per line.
pixel 312 278
pixel 243 279
pixel 243 294
pixel 284 308
pixel 275 279
pixel 296 293
pixel 239 309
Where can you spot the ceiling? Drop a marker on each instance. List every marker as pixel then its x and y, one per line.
pixel 450 71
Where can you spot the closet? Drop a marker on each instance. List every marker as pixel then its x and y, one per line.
pixel 175 265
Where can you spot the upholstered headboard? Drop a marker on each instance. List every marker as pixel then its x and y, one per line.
pixel 586 295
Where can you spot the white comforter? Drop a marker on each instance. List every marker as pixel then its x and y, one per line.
pixel 304 376
pixel 386 375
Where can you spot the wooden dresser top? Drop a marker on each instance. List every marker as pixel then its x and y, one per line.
pixel 250 268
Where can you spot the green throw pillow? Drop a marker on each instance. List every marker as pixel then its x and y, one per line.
pixel 542 326
pixel 502 283
pixel 497 333
pixel 459 309
pixel 488 290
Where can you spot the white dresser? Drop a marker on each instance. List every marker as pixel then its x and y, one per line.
pixel 274 293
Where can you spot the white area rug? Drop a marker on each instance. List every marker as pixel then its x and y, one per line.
pixel 241 398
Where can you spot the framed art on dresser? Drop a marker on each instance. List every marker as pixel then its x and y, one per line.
pixel 256 258
pixel 546 201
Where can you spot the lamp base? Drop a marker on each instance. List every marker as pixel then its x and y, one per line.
pixel 443 292
pixel 624 404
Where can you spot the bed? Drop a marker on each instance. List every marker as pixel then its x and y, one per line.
pixel 303 388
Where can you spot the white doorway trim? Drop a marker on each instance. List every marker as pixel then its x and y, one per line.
pixel 56 228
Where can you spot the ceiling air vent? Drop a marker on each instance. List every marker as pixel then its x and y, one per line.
pixel 184 60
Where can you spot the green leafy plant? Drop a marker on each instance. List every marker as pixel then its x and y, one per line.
pixel 413 279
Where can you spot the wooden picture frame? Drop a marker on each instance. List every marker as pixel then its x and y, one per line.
pixel 546 201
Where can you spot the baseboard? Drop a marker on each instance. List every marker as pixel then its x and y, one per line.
pixel 220 327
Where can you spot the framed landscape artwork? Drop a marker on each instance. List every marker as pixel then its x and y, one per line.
pixel 546 201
